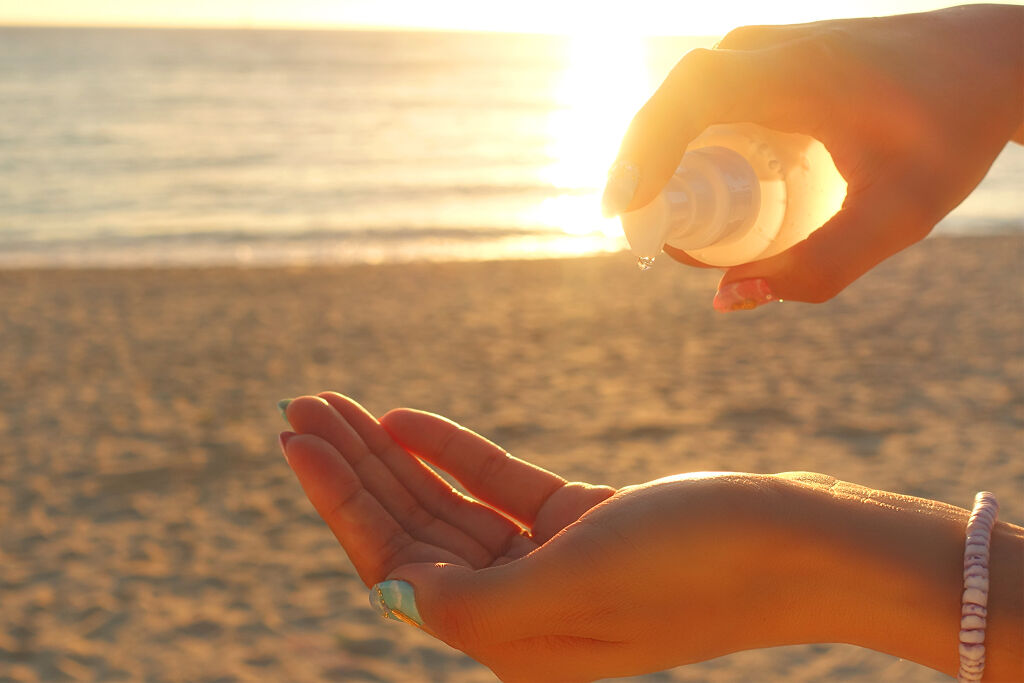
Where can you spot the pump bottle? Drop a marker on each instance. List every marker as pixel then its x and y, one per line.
pixel 741 193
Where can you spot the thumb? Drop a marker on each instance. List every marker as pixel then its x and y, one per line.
pixel 466 608
pixel 520 620
pixel 872 226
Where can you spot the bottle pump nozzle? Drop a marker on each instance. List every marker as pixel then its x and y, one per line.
pixel 713 196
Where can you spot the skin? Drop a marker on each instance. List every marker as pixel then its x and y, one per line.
pixel 612 583
pixel 913 108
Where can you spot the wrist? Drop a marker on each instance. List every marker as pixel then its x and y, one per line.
pixel 893 574
pixel 885 571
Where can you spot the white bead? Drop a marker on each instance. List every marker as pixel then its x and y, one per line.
pixel 986 514
pixel 976 596
pixel 976 549
pixel 972 621
pixel 975 561
pixel 972 636
pixel 972 666
pixel 977 610
pixel 970 651
pixel 979 582
pixel 976 570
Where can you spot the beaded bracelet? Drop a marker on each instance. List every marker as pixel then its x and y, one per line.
pixel 973 606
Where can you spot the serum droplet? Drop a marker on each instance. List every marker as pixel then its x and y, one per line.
pixel 645 262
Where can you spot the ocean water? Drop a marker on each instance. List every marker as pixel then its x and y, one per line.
pixel 160 147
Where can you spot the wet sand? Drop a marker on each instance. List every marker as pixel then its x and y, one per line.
pixel 149 528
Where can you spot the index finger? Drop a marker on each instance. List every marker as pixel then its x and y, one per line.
pixel 770 87
pixel 374 541
pixel 489 472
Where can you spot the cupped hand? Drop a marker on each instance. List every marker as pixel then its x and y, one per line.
pixel 913 108
pixel 368 481
pixel 586 582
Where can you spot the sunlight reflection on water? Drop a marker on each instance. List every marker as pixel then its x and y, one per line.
pixel 141 146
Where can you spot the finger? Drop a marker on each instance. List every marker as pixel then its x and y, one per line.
pixel 775 87
pixel 754 37
pixel 766 36
pixel 313 415
pixel 362 422
pixel 684 258
pixel 408 471
pixel 511 485
pixel 872 225
pixel 373 540
pixel 497 534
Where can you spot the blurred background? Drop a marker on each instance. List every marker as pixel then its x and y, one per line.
pixel 207 207
pixel 393 142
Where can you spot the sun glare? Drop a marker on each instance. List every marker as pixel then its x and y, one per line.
pixel 604 82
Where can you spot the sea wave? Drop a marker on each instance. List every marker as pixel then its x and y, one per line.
pixel 253 248
pixel 142 147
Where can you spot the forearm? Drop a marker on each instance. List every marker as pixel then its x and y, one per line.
pixel 885 571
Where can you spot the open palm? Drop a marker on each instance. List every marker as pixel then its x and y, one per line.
pixel 367 479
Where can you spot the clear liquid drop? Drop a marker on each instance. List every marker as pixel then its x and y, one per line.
pixel 645 262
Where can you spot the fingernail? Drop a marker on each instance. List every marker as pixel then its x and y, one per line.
pixel 282 405
pixel 283 439
pixel 743 295
pixel 623 179
pixel 396 600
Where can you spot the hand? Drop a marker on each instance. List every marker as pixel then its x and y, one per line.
pixel 613 583
pixel 602 585
pixel 913 108
pixel 388 509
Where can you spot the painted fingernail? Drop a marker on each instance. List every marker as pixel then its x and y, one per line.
pixel 743 295
pixel 283 439
pixel 395 600
pixel 282 405
pixel 623 179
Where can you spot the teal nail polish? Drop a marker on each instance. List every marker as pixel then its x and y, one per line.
pixel 282 405
pixel 396 600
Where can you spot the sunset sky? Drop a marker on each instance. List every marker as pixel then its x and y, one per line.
pixel 540 16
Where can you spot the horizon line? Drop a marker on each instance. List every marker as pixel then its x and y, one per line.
pixel 324 27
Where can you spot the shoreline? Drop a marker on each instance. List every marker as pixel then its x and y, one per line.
pixel 125 264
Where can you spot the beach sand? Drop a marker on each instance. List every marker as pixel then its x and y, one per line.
pixel 150 529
